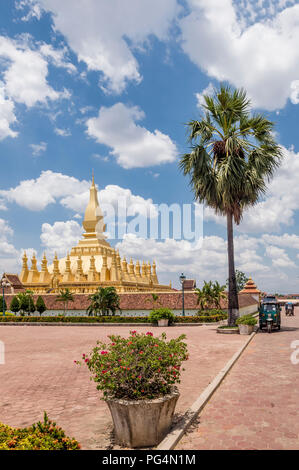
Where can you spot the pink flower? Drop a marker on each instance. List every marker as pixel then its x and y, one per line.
pixel 133 332
pixel 104 352
pixel 141 352
pixel 149 333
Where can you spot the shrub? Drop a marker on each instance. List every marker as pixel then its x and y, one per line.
pixel 15 305
pixel 139 367
pixel 40 305
pixel 1 304
pixel 39 436
pixel 106 319
pixel 161 314
pixel 246 320
pixel 201 319
pixel 212 312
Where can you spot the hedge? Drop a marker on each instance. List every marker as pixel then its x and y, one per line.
pixel 40 436
pixel 110 319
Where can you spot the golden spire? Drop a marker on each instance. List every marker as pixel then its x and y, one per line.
pixel 93 222
pixel 56 271
pixel 25 259
pixel 44 263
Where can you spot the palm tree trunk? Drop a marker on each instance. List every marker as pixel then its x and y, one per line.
pixel 233 301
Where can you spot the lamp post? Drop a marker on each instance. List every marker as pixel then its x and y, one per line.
pixel 182 280
pixel 3 284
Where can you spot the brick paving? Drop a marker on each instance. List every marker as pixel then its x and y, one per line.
pixel 256 407
pixel 40 374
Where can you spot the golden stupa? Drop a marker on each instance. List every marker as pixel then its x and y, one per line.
pixel 90 264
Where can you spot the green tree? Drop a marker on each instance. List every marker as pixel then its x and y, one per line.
pixel 15 304
pixel 65 296
pixel 40 305
pixel 241 280
pixel 233 155
pixel 1 304
pixel 23 299
pixel 210 295
pixel 31 306
pixel 103 301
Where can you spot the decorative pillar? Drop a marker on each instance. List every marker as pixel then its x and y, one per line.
pixel 114 271
pixel 104 265
pixel 154 274
pixel 92 275
pixel 25 271
pixel 33 275
pixel 67 277
pixel 44 275
pixel 132 271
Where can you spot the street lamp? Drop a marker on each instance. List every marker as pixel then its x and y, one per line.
pixel 4 284
pixel 182 280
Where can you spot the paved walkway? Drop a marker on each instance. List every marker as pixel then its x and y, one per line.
pixel 257 405
pixel 40 374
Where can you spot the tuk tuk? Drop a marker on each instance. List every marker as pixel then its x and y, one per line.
pixel 269 314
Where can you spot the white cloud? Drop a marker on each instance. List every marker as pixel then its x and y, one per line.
pixel 61 236
pixel 37 194
pixel 57 56
pixel 132 145
pixel 116 196
pixel 8 253
pixel 279 257
pixel 7 116
pixel 62 132
pixel 50 187
pixel 26 73
pixel 260 54
pixel 100 32
pixel 200 96
pixel 35 11
pixel 269 268
pixel 38 149
pixel 286 240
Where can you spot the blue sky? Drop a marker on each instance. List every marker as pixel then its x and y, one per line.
pixel 109 86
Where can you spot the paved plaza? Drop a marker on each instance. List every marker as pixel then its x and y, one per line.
pixel 40 374
pixel 257 405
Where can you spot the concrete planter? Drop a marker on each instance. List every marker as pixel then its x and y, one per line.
pixel 142 423
pixel 163 322
pixel 245 329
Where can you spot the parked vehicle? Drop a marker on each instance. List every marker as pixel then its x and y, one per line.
pixel 269 314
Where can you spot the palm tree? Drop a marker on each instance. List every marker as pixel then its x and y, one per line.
pixel 210 295
pixel 104 300
pixel 65 296
pixel 233 156
pixel 218 293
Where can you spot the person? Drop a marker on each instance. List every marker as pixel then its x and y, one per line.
pixel 289 308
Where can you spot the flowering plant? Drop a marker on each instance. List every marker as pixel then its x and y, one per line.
pixel 138 367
